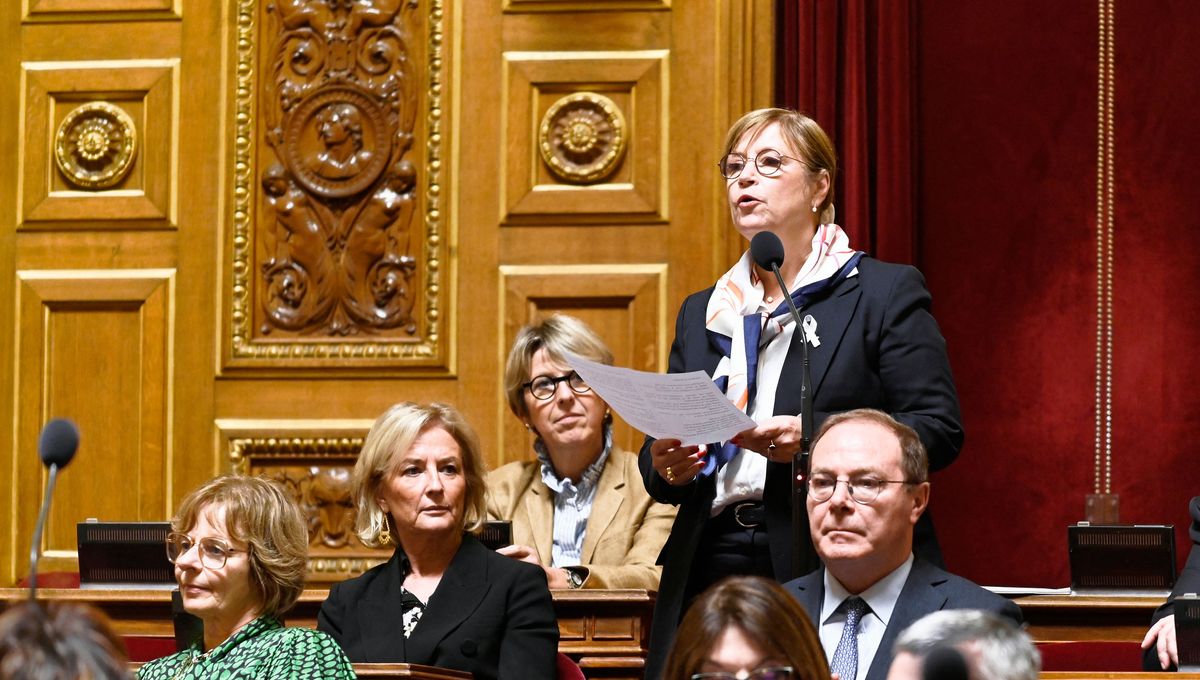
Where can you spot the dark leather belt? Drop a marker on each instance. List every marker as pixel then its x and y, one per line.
pixel 739 516
pixel 749 514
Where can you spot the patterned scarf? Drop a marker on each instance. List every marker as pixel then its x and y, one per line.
pixel 741 332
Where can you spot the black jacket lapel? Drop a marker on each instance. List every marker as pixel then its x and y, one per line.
pixel 463 587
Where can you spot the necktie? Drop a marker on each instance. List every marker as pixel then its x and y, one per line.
pixel 845 658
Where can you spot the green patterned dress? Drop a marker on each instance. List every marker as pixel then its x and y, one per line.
pixel 263 648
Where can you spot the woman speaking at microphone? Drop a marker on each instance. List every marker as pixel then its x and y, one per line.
pixel 872 342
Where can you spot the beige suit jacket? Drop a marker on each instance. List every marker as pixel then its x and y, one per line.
pixel 625 531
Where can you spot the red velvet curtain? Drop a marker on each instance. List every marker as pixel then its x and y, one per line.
pixel 849 65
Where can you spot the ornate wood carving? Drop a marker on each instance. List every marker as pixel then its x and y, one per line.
pixel 100 144
pixel 582 137
pixel 95 145
pixel 339 264
pixel 317 472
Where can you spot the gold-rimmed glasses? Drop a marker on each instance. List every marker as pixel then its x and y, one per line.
pixel 768 162
pixel 213 551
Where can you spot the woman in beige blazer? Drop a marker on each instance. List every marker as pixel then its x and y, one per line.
pixel 579 508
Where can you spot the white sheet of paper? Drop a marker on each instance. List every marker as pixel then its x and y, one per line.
pixel 683 406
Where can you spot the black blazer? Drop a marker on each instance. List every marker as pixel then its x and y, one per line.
pixel 927 590
pixel 491 615
pixel 880 348
pixel 1188 582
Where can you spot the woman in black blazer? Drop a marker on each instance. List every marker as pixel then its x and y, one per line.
pixel 443 599
pixel 872 343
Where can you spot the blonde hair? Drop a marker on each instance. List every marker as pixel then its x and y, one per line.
pixel 806 139
pixel 559 335
pixel 390 437
pixel 259 512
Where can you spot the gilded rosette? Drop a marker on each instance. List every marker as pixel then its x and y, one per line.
pixel 582 138
pixel 95 145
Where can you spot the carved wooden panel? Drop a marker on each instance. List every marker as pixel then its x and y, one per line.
pixel 95 346
pixel 99 144
pixel 588 137
pixel 624 304
pixel 338 242
pixel 65 10
pixel 314 461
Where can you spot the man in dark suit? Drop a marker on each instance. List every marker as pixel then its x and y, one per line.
pixel 867 487
pixel 1162 649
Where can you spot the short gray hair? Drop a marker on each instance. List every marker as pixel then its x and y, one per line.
pixel 1005 652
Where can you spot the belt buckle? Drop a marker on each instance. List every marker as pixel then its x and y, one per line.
pixel 737 516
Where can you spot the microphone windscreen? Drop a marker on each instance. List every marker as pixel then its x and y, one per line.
pixel 59 440
pixel 945 663
pixel 767 250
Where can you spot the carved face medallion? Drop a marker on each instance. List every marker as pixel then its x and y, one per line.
pixel 338 142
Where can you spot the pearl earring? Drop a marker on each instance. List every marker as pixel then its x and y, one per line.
pixel 814 208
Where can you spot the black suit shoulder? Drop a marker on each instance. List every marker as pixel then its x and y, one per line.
pixel 490 615
pixel 927 589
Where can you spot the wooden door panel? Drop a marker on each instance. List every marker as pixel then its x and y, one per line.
pixel 137 308
pixel 99 122
pixel 95 347
pixel 623 303
pixel 619 111
pixel 71 9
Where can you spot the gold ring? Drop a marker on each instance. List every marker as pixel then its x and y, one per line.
pixel 670 474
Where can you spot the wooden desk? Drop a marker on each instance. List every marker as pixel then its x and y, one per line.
pixel 1065 618
pixel 607 632
pixel 1092 675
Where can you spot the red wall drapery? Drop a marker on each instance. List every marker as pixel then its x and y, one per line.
pixel 1001 163
pixel 849 66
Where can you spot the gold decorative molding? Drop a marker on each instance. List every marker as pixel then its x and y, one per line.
pixel 582 137
pixel 100 143
pixel 95 145
pixel 597 132
pixel 532 6
pixel 330 301
pixel 313 460
pixel 1105 241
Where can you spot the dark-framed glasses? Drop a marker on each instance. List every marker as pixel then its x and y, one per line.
pixel 213 551
pixel 543 387
pixel 863 490
pixel 768 162
pixel 773 673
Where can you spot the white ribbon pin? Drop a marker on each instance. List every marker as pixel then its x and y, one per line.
pixel 810 331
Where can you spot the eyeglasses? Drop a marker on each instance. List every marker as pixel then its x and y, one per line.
pixel 213 551
pixel 780 673
pixel 768 162
pixel 543 387
pixel 863 490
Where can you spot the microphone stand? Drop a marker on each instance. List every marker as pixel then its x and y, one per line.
pixel 37 533
pixel 804 557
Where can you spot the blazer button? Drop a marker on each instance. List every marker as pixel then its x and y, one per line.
pixel 469 648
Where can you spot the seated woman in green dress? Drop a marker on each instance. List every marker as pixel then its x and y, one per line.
pixel 240 550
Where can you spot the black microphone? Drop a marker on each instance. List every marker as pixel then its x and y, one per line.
pixel 945 663
pixel 767 251
pixel 56 447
